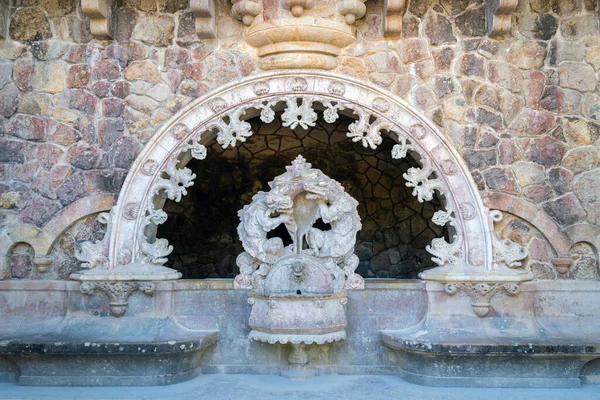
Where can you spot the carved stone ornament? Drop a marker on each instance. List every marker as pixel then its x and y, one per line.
pixel 158 173
pixel 507 254
pixel 499 16
pixel 100 13
pixel 297 199
pixel 95 254
pixel 246 10
pixel 352 10
pixel 393 10
pixel 117 292
pixel 204 13
pixel 481 294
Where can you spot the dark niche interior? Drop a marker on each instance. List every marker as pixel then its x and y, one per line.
pixel 395 226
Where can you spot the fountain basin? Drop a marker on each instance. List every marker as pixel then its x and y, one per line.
pixel 298 318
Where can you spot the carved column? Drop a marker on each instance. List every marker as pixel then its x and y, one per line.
pixel 499 16
pixel 204 12
pixel 101 15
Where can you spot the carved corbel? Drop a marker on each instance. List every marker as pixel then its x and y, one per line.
pixel 352 10
pixel 297 7
pixel 117 292
pixel 204 12
pixel 393 10
pixel 246 10
pixel 481 294
pixel 100 13
pixel 499 16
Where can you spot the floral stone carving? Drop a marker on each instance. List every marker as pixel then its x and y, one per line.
pixel 298 291
pixel 481 293
pixel 117 292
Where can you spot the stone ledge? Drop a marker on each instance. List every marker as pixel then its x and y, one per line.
pixel 96 351
pixel 481 358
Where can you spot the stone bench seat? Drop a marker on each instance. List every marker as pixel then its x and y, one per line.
pixel 488 357
pixel 108 351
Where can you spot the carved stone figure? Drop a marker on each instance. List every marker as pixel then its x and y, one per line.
pixel 297 199
pixel 298 294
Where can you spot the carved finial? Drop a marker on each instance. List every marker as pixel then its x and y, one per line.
pixel 299 164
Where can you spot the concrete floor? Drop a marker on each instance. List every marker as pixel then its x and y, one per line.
pixel 266 387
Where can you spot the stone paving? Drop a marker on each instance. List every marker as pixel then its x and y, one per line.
pixel 266 387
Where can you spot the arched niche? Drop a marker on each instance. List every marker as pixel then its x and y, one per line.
pixel 131 249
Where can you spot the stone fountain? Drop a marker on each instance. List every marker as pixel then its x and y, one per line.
pixel 298 291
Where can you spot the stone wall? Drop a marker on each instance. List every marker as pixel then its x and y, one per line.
pixel 395 226
pixel 523 111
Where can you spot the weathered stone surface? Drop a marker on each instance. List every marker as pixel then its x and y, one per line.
pixel 23 72
pixel 49 155
pixel 123 152
pixel 29 24
pixel 105 69
pixel 112 107
pixel 565 210
pixel 485 117
pixel 27 127
pixel 501 179
pixel 85 156
pixel 587 189
pixel 532 123
pixel 144 70
pixel 527 54
pixel 11 151
pixel 472 22
pixel 577 27
pixel 78 76
pixel 581 159
pixel 39 211
pixel 155 30
pixel 505 75
pixel 561 180
pixel 529 173
pixel 547 151
pixel 10 96
pixel 472 65
pixel 479 158
pixel 578 76
pixel 82 100
pixel 49 77
pixel 580 132
pixel 439 29
pixel 71 189
pixel 64 135
pixel 413 50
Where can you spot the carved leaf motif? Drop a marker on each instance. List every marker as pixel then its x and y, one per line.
pixel 368 134
pixel 234 131
pixel 446 253
pixel 423 187
pixel 95 254
pixel 399 151
pixel 302 115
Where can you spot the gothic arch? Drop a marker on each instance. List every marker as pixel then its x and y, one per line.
pixel 159 171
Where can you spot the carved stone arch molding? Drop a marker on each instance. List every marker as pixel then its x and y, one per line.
pixel 130 250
